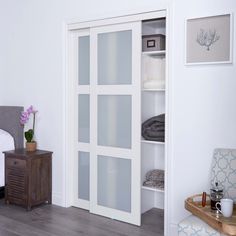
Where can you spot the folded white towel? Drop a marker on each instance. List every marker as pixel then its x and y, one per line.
pixel 153 72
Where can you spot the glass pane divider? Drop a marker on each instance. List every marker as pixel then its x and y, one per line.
pixel 114 89
pixel 83 89
pixel 85 147
pixel 114 152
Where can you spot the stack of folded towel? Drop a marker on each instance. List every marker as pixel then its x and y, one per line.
pixel 154 128
pixel 153 73
pixel 155 179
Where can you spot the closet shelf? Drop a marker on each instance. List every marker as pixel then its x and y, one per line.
pixel 152 142
pixel 155 53
pixel 153 189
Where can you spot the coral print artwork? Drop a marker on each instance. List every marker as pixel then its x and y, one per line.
pixel 208 40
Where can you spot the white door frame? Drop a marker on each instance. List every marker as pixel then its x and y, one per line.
pixel 69 111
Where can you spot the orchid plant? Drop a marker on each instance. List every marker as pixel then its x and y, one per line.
pixel 24 118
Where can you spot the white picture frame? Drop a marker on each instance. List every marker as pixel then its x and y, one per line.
pixel 209 39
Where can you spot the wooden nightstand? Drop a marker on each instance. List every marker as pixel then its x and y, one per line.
pixel 28 177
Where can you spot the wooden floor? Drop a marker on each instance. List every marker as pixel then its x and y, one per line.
pixel 49 220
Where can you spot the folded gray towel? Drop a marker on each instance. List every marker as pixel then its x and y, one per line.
pixel 153 134
pixel 154 128
pixel 156 139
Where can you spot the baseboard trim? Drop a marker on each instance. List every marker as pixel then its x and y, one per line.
pixel 57 199
pixel 173 230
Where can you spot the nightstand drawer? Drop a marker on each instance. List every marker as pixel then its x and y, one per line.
pixel 15 163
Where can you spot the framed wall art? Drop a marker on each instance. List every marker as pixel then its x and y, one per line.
pixel 209 40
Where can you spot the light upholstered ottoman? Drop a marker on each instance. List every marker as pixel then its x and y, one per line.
pixel 193 226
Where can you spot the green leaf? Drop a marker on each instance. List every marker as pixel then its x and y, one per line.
pixel 29 135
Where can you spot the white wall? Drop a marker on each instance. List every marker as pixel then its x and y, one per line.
pixel 202 97
pixel 32 62
pixel 204 108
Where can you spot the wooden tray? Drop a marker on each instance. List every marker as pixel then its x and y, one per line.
pixel 216 221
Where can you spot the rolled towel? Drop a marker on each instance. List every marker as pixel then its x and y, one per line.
pixel 155 179
pixel 155 175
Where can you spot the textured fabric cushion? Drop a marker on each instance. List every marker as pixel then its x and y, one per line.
pixel 10 122
pixel 6 144
pixel 193 226
pixel 223 171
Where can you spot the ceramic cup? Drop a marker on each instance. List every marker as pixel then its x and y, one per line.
pixel 226 205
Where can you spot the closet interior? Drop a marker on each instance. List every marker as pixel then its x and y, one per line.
pixel 153 95
pixel 119 88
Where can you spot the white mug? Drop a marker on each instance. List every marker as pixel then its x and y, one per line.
pixel 227 206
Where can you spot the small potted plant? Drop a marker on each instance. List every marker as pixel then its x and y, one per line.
pixel 30 145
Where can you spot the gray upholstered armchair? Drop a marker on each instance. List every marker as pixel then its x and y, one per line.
pixel 223 171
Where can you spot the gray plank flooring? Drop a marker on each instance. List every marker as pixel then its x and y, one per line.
pixel 50 220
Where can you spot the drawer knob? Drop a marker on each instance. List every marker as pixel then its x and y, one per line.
pixel 15 162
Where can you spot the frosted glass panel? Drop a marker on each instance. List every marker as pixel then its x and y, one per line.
pixel 114 120
pixel 83 175
pixel 84 118
pixel 114 183
pixel 84 60
pixel 115 58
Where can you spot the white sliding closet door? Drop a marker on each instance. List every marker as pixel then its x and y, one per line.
pixel 81 65
pixel 115 56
